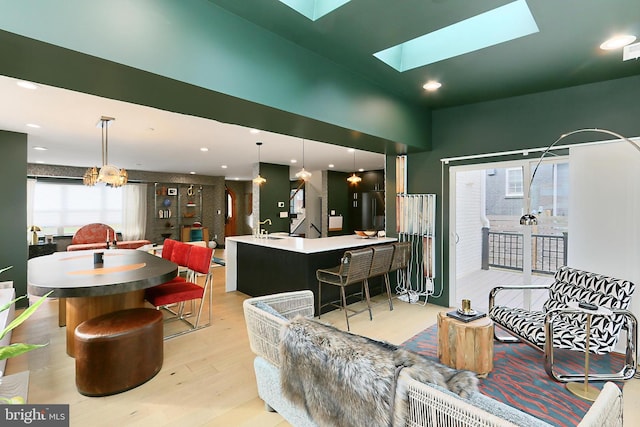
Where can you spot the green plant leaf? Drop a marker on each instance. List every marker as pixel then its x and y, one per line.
pixel 24 315
pixel 7 305
pixel 16 400
pixel 17 349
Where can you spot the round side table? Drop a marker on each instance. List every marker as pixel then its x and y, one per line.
pixel 466 345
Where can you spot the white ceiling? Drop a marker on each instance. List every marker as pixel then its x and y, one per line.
pixel 148 139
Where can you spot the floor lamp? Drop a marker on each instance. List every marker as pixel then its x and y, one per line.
pixel 529 219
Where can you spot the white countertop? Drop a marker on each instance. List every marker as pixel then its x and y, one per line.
pixel 309 246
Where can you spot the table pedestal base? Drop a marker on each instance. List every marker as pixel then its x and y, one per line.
pixel 79 309
pixel 584 391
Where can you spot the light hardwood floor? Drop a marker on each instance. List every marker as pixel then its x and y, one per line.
pixel 207 378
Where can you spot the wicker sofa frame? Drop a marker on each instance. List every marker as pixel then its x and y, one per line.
pixel 428 405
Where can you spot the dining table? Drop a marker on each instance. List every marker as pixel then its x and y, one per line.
pixel 96 282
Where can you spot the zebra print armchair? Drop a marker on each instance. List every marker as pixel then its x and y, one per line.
pixel 561 324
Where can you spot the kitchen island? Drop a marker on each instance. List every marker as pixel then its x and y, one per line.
pixel 260 266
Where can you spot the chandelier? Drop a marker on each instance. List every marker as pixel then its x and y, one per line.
pixel 108 174
pixel 258 179
pixel 302 173
pixel 354 179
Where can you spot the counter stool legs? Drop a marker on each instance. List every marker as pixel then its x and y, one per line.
pixel 366 293
pixel 344 304
pixel 386 282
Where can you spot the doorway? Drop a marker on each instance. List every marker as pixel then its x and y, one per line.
pixel 487 242
pixel 230 222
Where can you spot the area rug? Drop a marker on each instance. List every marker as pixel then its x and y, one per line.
pixel 519 380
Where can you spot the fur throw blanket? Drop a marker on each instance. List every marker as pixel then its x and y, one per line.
pixel 345 380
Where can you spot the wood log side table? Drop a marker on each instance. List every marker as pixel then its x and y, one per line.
pixel 466 345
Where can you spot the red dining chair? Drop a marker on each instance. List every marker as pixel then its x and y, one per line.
pixel 180 255
pixel 167 248
pixel 179 293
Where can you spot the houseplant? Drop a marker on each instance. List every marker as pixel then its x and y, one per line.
pixel 17 349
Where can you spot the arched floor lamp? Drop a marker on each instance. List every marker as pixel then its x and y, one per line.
pixel 529 219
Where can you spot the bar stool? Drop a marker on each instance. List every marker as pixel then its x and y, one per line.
pixel 354 268
pixel 400 261
pixel 380 265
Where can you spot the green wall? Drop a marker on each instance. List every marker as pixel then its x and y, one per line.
pixel 272 192
pixel 13 213
pixel 338 200
pixel 529 121
pixel 202 45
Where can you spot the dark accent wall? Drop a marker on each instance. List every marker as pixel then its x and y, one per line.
pixel 274 191
pixel 529 121
pixel 338 201
pixel 13 212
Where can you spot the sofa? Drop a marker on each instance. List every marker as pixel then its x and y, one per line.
pixel 415 403
pixel 94 236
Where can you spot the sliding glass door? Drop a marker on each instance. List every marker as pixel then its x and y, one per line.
pixel 488 246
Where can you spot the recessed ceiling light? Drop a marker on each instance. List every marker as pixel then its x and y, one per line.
pixel 254 131
pixel 192 173
pixel 27 85
pixel 294 161
pixel 331 165
pixel 432 85
pixel 39 148
pixel 204 149
pixel 617 42
pixel 360 170
pixel 33 125
pixel 223 166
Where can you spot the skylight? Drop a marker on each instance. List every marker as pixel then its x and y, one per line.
pixel 499 25
pixel 314 9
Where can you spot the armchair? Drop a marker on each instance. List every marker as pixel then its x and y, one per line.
pixel 561 325
pixel 94 236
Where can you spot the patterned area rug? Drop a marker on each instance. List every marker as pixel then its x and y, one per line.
pixel 519 380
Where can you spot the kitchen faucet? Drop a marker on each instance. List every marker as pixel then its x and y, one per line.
pixel 262 232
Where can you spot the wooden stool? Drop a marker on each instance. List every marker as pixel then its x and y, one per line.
pixel 118 351
pixel 466 345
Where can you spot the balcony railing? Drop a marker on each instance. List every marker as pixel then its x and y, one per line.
pixel 505 250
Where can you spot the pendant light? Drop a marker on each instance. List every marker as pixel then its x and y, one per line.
pixel 354 179
pixel 108 174
pixel 258 179
pixel 303 174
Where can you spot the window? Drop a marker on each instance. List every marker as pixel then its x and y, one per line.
pixel 296 201
pixel 229 206
pixel 514 183
pixel 60 208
